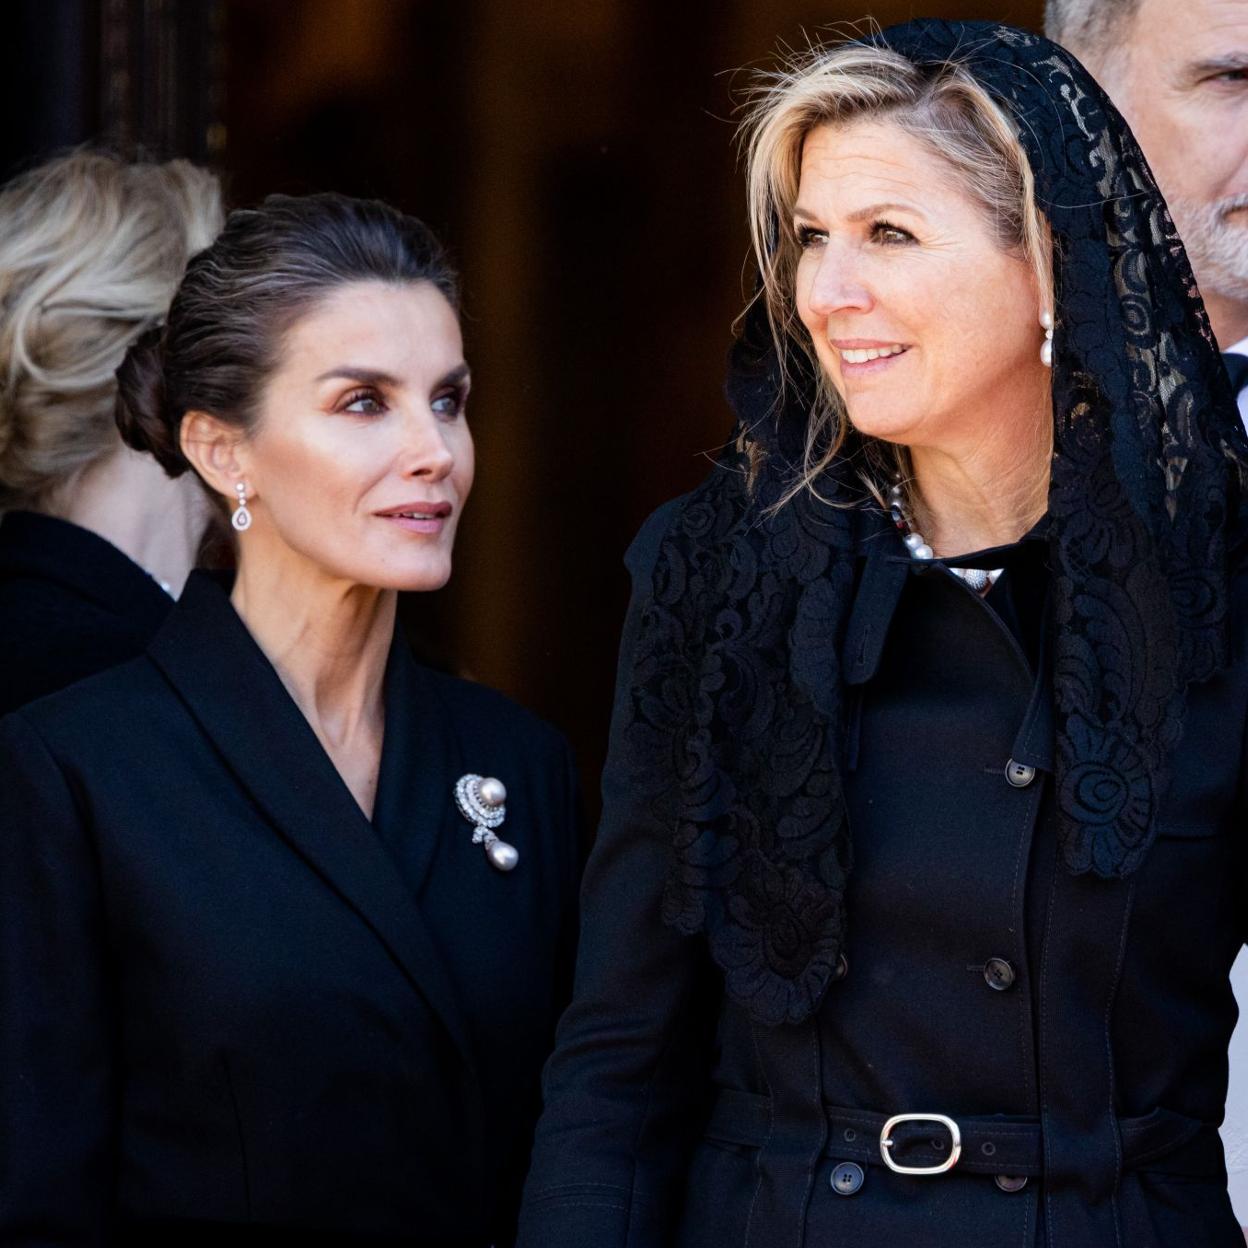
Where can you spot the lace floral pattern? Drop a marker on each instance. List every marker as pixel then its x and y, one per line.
pixel 736 690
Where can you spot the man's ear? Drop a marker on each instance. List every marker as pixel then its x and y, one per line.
pixel 217 451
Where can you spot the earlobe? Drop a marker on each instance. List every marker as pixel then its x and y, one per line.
pixel 214 449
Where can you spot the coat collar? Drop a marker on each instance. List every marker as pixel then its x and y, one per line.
pixel 208 656
pixel 32 544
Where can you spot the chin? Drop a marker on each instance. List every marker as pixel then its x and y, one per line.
pixel 423 580
pixel 423 577
pixel 885 428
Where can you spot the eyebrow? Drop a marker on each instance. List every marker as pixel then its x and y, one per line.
pixel 375 377
pixel 864 214
pixel 365 376
pixel 1231 62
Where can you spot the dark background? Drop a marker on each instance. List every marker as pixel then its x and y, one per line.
pixel 578 158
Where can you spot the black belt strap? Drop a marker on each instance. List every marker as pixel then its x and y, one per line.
pixel 990 1145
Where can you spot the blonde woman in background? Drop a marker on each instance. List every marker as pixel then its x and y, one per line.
pixel 95 540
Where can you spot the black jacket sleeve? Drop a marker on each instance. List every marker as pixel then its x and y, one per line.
pixel 624 1088
pixel 56 1059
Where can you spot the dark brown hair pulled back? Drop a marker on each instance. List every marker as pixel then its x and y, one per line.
pixel 270 265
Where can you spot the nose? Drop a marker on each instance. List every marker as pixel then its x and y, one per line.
pixel 426 452
pixel 836 282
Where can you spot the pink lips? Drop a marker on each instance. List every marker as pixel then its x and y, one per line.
pixel 418 517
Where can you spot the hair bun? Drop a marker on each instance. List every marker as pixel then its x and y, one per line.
pixel 142 414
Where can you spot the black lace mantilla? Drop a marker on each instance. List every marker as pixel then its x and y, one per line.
pixel 736 687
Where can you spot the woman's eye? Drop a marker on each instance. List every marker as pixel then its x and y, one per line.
pixel 890 235
pixel 363 403
pixel 450 403
pixel 808 236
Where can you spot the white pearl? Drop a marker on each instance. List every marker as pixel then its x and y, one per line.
pixel 503 856
pixel 923 552
pixel 913 541
pixel 1046 353
pixel 1046 319
pixel 492 792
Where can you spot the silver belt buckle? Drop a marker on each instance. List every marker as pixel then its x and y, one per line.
pixel 955 1143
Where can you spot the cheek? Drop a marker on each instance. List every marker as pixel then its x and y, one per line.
pixel 465 469
pixel 319 470
pixel 992 323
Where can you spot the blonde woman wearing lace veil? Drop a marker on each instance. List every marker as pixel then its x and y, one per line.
pixel 912 912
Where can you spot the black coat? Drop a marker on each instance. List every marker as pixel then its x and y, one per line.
pixel 71 605
pixel 1075 1028
pixel 227 999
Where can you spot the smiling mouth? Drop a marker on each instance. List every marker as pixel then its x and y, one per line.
pixel 864 355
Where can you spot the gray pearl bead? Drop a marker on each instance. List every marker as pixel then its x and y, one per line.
pixel 503 856
pixel 493 792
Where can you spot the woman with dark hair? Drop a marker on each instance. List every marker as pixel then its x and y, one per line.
pixel 911 916
pixel 283 914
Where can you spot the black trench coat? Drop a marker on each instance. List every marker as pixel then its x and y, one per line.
pixel 234 1010
pixel 1076 1029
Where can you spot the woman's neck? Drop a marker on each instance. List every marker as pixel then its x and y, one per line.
pixel 989 496
pixel 127 499
pixel 328 640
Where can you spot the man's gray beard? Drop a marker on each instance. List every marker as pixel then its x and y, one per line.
pixel 1216 242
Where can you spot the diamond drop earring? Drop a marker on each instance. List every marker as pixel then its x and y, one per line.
pixel 241 519
pixel 1046 347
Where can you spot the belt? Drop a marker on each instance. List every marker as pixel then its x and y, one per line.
pixel 989 1144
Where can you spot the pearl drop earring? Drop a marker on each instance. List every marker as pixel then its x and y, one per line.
pixel 241 519
pixel 1046 347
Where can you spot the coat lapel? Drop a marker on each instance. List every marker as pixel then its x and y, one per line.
pixel 420 762
pixel 207 654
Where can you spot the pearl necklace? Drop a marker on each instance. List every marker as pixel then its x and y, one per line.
pixel 978 579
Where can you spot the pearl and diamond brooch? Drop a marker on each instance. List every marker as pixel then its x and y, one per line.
pixel 482 800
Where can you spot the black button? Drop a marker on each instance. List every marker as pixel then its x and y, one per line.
pixel 846 1178
pixel 1020 775
pixel 1010 1182
pixel 998 974
pixel 841 969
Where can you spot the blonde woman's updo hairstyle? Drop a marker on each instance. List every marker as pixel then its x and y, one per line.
pixel 945 108
pixel 271 265
pixel 91 251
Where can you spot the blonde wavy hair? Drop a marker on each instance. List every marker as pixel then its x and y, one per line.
pixel 944 107
pixel 91 250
